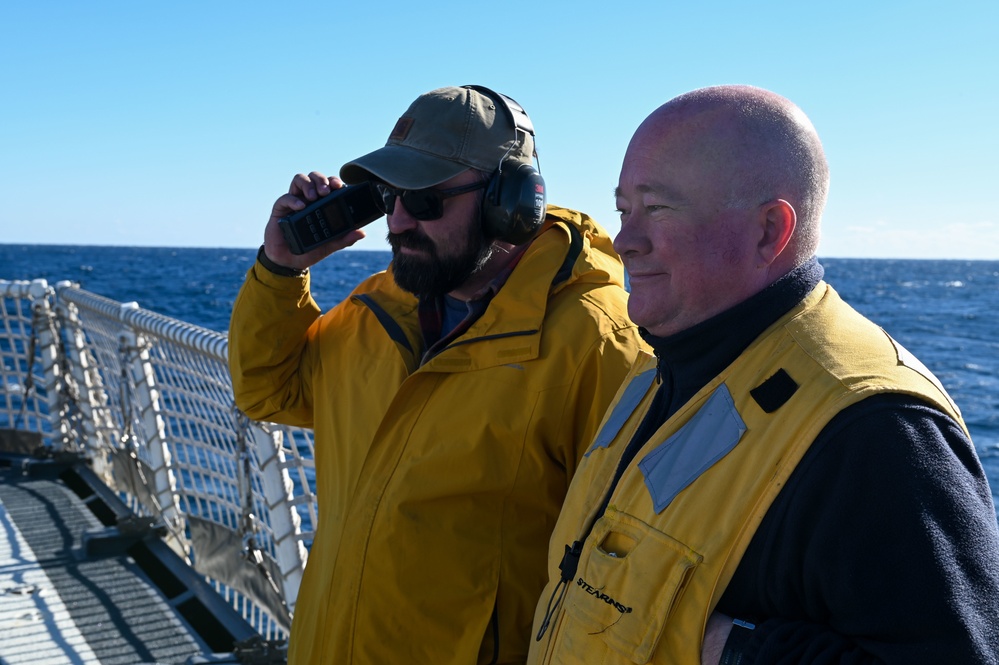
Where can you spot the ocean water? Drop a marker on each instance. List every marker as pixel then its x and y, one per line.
pixel 194 284
pixel 944 312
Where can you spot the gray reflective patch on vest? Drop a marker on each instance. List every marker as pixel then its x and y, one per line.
pixel 633 394
pixel 707 437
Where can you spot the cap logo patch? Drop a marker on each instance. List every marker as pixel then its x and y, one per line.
pixel 401 129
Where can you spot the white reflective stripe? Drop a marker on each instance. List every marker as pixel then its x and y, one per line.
pixel 707 437
pixel 35 626
pixel 633 394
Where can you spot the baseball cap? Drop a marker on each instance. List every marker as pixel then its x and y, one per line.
pixel 442 133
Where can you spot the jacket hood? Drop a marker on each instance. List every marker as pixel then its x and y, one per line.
pixel 572 251
pixel 597 263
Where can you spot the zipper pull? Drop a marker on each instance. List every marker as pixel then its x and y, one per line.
pixel 568 565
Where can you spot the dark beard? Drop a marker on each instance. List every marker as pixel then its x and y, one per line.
pixel 430 276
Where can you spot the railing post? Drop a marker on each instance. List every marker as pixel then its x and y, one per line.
pixel 145 397
pixel 285 521
pixel 91 398
pixel 47 351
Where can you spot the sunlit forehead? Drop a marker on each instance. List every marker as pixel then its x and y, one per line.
pixel 659 193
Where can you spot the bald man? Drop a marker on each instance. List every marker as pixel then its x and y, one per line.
pixel 781 482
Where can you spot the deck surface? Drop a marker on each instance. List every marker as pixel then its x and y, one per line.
pixel 62 600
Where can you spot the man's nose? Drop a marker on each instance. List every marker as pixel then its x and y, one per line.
pixel 399 220
pixel 631 238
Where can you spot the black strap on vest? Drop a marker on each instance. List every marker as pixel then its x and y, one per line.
pixel 775 391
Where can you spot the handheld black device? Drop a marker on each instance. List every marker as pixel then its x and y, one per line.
pixel 331 217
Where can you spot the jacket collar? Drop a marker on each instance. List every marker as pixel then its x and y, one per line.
pixel 570 249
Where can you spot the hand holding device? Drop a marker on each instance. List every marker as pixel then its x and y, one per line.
pixel 333 216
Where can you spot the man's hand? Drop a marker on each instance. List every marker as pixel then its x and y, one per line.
pixel 715 636
pixel 304 190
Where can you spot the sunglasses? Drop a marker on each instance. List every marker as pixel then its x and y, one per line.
pixel 423 204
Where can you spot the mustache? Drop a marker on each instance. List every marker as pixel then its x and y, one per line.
pixel 411 240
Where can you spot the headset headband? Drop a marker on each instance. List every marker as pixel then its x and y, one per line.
pixel 518 116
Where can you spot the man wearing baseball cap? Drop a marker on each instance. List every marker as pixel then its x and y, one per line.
pixel 451 395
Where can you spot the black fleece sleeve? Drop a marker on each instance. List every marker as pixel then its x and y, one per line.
pixel 882 548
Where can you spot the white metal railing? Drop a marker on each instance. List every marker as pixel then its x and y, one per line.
pixel 147 400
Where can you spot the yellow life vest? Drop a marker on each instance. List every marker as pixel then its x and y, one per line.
pixel 657 561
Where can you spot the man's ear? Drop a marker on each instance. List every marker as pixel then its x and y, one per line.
pixel 779 220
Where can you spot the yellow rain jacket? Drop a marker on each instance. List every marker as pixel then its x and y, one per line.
pixel 438 484
pixel 654 566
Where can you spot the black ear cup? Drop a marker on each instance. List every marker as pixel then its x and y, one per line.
pixel 513 208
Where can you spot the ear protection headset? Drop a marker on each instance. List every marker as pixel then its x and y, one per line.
pixel 513 208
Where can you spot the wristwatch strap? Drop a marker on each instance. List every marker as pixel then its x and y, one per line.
pixel 742 632
pixel 283 271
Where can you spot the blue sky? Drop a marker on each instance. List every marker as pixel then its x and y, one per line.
pixel 179 123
